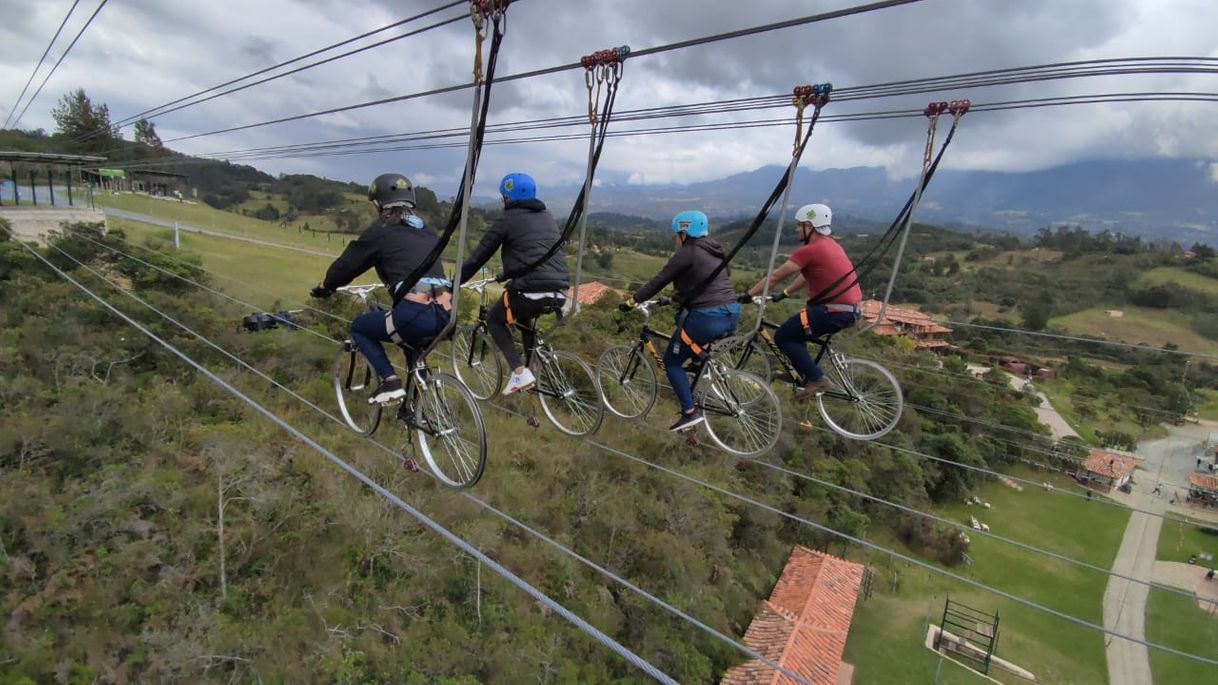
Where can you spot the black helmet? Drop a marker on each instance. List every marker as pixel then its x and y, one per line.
pixel 392 190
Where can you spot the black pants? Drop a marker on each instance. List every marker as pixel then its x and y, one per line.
pixel 525 313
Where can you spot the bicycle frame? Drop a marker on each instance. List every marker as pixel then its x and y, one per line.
pixel 825 347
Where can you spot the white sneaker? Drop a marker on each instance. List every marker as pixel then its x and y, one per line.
pixel 520 381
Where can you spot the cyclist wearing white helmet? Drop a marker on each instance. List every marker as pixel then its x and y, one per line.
pixel 704 316
pixel 833 295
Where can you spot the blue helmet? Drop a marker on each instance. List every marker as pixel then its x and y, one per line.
pixel 692 223
pixel 516 187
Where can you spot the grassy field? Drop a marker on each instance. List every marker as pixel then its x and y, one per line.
pixel 1188 279
pixel 886 638
pixel 1179 622
pixel 1177 542
pixel 1207 404
pixel 1091 414
pixel 1138 325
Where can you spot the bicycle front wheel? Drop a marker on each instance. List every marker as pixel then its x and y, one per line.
pixel 476 362
pixel 451 434
pixel 627 381
pixel 743 415
pixel 354 384
pixel 569 393
pixel 866 402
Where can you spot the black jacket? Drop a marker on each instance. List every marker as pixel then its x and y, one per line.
pixel 392 248
pixel 686 270
pixel 526 231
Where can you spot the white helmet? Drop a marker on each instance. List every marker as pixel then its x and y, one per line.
pixel 820 216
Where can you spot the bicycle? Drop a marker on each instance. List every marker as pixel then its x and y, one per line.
pixel 743 415
pixel 865 402
pixel 438 408
pixel 566 386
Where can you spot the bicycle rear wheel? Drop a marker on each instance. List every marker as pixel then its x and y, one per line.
pixel 627 381
pixel 743 415
pixel 569 393
pixel 451 434
pixel 354 384
pixel 866 402
pixel 476 361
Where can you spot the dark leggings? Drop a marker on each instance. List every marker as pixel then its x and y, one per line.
pixel 525 313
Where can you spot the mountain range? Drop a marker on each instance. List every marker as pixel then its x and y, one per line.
pixel 1158 199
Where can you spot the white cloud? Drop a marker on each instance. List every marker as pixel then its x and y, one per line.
pixel 140 54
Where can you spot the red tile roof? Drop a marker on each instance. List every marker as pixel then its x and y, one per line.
pixel 803 625
pixel 1110 464
pixel 899 315
pixel 592 291
pixel 1203 481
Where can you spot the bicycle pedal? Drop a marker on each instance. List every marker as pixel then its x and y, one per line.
pixel 693 441
pixel 533 422
pixel 411 465
pixel 804 426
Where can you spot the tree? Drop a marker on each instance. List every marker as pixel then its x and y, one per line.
pixel 1203 252
pixel 145 132
pixel 1035 315
pixel 76 117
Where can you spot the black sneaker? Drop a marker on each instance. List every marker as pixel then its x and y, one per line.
pixel 687 421
pixel 388 391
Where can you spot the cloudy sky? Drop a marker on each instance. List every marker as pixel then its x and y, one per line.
pixel 139 54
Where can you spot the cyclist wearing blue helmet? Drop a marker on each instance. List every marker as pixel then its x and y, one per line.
pixel 526 231
pixel 395 245
pixel 704 316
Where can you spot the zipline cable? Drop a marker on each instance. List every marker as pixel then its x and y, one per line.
pixel 482 503
pixel 59 61
pixel 571 617
pixel 157 111
pixel 811 19
pixel 38 66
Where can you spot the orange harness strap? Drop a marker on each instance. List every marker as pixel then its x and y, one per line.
pixel 803 321
pixel 507 306
pixel 697 349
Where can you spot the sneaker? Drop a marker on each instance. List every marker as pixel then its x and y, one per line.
pixel 520 381
pixel 389 390
pixel 687 421
pixel 814 389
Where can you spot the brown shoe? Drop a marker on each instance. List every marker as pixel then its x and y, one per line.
pixel 783 377
pixel 813 389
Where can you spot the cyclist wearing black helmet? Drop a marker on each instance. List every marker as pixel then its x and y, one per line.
pixel 395 245
pixel 526 231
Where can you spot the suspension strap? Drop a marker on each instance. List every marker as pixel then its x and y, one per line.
pixel 872 259
pixel 689 342
pixel 803 321
pixel 484 11
pixel 603 66
pixel 933 112
pixel 818 97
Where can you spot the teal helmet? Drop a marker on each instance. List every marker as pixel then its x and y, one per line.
pixel 692 223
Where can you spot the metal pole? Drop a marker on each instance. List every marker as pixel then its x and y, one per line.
pixel 583 223
pixel 176 243
pixel 51 186
pixel 71 203
pixel 786 194
pixel 33 188
pixel 16 194
pixel 896 264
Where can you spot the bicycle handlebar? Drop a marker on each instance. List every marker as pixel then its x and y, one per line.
pixel 360 291
pixel 478 286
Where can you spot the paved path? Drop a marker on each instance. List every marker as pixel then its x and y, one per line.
pixel 1125 602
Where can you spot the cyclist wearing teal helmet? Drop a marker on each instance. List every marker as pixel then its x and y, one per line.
pixel 706 313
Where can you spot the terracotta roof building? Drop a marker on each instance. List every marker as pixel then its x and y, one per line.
pixel 911 323
pixel 1107 469
pixel 592 291
pixel 1204 483
pixel 803 625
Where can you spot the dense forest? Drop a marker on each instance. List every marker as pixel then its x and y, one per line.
pixel 154 528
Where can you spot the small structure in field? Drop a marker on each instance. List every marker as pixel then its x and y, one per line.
pixel 1105 469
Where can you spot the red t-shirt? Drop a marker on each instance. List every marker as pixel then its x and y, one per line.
pixel 822 262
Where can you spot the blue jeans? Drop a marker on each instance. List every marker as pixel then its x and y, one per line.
pixel 414 322
pixel 702 326
pixel 793 340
